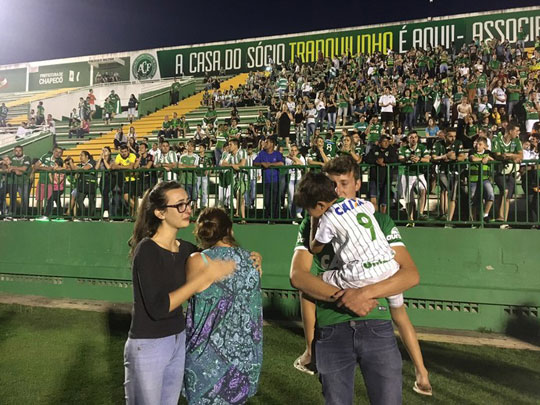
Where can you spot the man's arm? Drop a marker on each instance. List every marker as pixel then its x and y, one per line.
pixel 302 279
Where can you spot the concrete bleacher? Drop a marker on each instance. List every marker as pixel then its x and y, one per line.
pixel 101 135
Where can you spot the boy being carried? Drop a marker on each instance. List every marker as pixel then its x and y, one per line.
pixel 363 256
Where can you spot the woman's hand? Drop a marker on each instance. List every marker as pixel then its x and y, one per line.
pixel 257 261
pixel 216 270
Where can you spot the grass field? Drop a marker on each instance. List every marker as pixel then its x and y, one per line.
pixel 55 356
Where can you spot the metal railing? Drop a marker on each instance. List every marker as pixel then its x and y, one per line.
pixel 462 193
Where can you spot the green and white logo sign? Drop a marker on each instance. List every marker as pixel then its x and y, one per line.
pixel 144 67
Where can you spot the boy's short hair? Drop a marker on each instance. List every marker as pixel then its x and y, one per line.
pixel 312 188
pixel 342 165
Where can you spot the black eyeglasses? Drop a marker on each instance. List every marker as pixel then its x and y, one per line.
pixel 181 206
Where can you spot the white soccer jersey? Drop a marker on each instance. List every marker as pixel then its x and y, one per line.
pixel 359 243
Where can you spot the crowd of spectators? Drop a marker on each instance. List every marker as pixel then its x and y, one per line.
pixel 449 122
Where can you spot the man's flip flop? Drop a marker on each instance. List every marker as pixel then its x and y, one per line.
pixel 300 367
pixel 422 391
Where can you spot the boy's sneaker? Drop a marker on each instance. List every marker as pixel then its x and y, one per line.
pixel 422 217
pixel 504 226
pixel 105 214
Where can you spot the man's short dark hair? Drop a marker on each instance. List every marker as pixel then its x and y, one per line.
pixel 312 188
pixel 235 141
pixel 123 146
pixel 342 165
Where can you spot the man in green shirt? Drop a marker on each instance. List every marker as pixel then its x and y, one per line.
pixel 361 125
pixel 174 122
pixel 18 181
pixel 373 133
pixel 532 109
pixel 114 99
pixel 190 161
pixel 506 148
pixel 201 179
pixel 166 130
pixel 40 115
pixel 343 324
pixel 108 107
pixel 413 176
pixel 514 92
pixel 210 117
pixel 44 166
pixel 175 92
pixel 446 153
pixel 236 159
pixel 479 172
pixel 183 127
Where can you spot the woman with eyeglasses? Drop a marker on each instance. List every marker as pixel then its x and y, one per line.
pixel 154 353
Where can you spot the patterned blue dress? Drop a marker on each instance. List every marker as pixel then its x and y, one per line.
pixel 224 335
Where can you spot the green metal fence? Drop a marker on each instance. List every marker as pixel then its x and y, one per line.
pixel 464 193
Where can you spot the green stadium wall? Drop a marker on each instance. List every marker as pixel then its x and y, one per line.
pixel 482 279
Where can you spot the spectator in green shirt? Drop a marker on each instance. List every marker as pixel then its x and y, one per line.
pixel 175 92
pixel 40 116
pixel 479 172
pixel 506 148
pixel 19 181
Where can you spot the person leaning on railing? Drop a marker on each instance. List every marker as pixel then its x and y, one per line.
pixel 413 176
pixel 86 179
pixel 380 174
pixel 124 161
pixel 508 150
pixel 480 187
pixel 104 163
pixel 446 153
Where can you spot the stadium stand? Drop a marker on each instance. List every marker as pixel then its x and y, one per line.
pixel 363 106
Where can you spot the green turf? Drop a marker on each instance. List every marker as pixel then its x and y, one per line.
pixel 75 357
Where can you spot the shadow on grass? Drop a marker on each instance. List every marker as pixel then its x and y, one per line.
pixel 523 325
pixel 458 365
pixel 117 328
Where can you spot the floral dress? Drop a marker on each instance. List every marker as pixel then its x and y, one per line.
pixel 224 335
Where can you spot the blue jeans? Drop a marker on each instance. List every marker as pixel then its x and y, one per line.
pixel 372 345
pixel 154 369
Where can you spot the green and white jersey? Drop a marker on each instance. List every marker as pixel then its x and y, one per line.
pixel 169 157
pixel 360 126
pixel 327 312
pixel 282 83
pixel 235 159
pixel 362 250
pixel 330 148
pixel 46 160
pixel 498 145
pixel 514 91
pixel 210 117
pixel 188 175
pixel 20 162
pixel 406 152
pixel 474 167
pixel 374 132
pixel 530 109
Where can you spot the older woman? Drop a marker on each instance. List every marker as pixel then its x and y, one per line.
pixel 224 322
